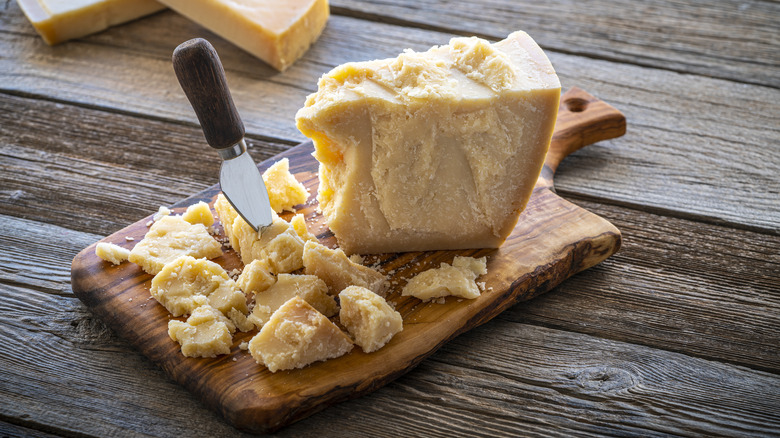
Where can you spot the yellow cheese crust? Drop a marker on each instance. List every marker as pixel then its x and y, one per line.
pixel 61 20
pixel 278 32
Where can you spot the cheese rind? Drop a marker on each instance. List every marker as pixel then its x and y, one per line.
pixel 433 150
pixel 368 318
pixel 61 20
pixel 277 32
pixel 172 237
pixel 297 335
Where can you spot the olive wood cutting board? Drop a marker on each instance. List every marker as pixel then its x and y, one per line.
pixel 553 240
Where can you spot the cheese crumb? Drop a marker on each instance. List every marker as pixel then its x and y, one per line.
pixel 111 253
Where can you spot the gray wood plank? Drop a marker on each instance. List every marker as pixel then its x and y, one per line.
pixel 696 146
pixel 64 370
pixel 730 39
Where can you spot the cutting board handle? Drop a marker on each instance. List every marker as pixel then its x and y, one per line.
pixel 583 119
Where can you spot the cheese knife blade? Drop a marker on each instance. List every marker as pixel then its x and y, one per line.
pixel 202 78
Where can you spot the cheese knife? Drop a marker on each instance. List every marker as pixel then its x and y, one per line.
pixel 202 78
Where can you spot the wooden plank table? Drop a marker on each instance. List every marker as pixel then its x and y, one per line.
pixel 677 334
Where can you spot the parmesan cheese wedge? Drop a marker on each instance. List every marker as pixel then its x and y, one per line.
pixel 278 32
pixel 61 20
pixel 433 150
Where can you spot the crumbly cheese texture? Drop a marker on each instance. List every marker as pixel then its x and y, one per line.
pixel 256 277
pixel 61 20
pixel 188 283
pixel 310 288
pixel 279 246
pixel 207 333
pixel 278 32
pixel 111 253
pixel 338 271
pixel 199 213
pixel 284 191
pixel 368 318
pixel 172 237
pixel 458 279
pixel 433 150
pixel 297 335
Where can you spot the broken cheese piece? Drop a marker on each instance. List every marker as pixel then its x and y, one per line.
pixel 308 287
pixel 256 277
pixel 297 335
pixel 111 253
pixel 188 283
pixel 284 191
pixel 368 318
pixel 199 213
pixel 61 20
pixel 206 333
pixel 457 280
pixel 278 32
pixel 172 237
pixel 433 150
pixel 338 271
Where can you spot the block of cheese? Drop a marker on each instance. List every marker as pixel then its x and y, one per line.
pixel 338 271
pixel 256 277
pixel 61 20
pixel 278 32
pixel 432 150
pixel 368 318
pixel 199 213
pixel 206 333
pixel 297 335
pixel 111 253
pixel 284 191
pixel 169 238
pixel 458 279
pixel 188 283
pixel 308 287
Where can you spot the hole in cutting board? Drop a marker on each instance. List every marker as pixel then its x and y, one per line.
pixel 576 104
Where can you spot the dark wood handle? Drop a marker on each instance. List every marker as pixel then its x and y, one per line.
pixel 582 120
pixel 202 78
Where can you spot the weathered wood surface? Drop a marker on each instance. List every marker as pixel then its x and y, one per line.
pixel 729 39
pixel 712 118
pixel 675 307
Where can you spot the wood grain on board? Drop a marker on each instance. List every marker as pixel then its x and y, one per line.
pixel 553 240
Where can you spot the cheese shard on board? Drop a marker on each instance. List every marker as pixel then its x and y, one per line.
pixel 297 335
pixel 284 191
pixel 169 238
pixel 310 288
pixel 432 150
pixel 278 32
pixel 457 279
pixel 111 253
pixel 206 333
pixel 61 20
pixel 368 318
pixel 338 271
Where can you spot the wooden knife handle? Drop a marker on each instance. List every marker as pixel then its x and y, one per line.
pixel 582 120
pixel 202 78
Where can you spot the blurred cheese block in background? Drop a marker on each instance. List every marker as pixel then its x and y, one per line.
pixel 61 20
pixel 276 31
pixel 434 150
